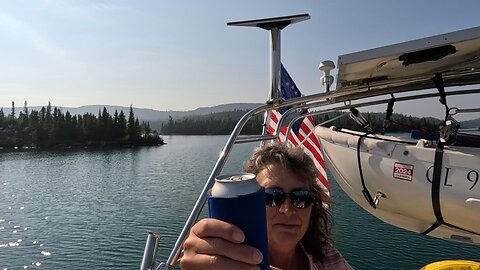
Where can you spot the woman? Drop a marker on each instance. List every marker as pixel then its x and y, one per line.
pixel 298 221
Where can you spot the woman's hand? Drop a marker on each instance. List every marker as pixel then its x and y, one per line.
pixel 214 244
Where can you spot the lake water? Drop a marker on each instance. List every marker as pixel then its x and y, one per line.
pixel 92 209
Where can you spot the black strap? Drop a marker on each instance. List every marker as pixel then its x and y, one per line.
pixel 359 119
pixel 438 81
pixel 437 163
pixel 365 191
pixel 388 114
pixel 437 172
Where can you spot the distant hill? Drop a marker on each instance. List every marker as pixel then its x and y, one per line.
pixel 475 123
pixel 224 108
pixel 145 114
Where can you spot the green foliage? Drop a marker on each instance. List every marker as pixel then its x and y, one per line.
pixel 47 128
pixel 2 117
pixel 221 123
pixel 397 123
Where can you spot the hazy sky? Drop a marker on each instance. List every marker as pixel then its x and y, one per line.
pixel 180 55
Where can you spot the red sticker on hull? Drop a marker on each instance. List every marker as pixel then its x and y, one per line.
pixel 403 171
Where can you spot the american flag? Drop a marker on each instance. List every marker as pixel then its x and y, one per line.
pixel 302 131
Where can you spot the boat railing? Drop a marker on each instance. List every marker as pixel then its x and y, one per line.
pixel 323 100
pixel 327 106
pixel 352 96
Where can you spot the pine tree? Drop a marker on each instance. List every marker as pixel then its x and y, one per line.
pixel 105 125
pixel 42 115
pixel 122 124
pixel 48 117
pixel 23 117
pixel 138 129
pixel 69 127
pixel 12 114
pixel 131 125
pixel 146 128
pixel 25 108
pixel 116 134
pixel 2 117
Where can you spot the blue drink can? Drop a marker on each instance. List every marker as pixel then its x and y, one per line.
pixel 240 200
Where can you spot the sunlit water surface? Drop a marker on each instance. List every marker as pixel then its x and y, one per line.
pixel 92 209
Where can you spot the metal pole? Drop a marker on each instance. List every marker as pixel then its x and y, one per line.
pixel 150 253
pixel 275 74
pixel 275 62
pixel 274 25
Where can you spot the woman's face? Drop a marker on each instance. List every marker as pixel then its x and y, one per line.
pixel 286 224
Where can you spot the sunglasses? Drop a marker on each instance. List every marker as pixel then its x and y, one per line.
pixel 299 198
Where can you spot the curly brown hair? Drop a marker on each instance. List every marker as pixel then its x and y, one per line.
pixel 297 161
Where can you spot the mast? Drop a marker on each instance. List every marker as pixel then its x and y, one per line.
pixel 275 26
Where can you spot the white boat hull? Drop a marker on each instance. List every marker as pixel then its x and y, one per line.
pixel 403 172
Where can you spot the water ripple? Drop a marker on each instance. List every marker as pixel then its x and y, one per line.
pixel 92 209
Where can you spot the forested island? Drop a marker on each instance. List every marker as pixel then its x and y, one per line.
pixel 223 123
pixel 51 128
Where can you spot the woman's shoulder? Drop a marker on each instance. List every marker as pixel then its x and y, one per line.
pixel 332 260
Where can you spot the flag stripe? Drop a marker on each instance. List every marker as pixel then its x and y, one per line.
pixel 314 144
pixel 301 132
pixel 321 173
pixel 311 150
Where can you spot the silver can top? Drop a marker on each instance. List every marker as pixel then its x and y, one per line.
pixel 234 185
